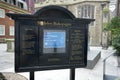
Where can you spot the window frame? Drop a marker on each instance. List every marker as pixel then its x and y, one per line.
pixel 2 32
pixel 87 11
pixel 11 30
pixel 2 14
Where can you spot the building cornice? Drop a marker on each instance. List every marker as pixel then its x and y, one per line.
pixel 64 2
pixel 13 8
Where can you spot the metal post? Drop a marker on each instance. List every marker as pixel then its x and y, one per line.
pixel 72 74
pixel 104 69
pixel 32 75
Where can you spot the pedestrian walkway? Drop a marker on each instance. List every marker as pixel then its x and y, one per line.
pixel 112 71
pixel 6 58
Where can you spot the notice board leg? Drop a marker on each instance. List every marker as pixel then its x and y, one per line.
pixel 72 74
pixel 31 75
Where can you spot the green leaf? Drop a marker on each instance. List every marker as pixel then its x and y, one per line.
pixel 114 27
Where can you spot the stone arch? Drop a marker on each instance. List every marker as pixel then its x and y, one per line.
pixel 53 11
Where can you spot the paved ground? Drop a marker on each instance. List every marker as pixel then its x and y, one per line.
pixel 6 58
pixel 112 71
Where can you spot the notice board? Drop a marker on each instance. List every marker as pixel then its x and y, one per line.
pixel 45 41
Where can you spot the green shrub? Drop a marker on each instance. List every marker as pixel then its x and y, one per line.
pixel 116 44
pixel 114 27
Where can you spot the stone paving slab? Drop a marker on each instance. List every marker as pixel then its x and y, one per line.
pixel 6 58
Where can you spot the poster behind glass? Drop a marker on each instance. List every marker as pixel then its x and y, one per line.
pixel 54 41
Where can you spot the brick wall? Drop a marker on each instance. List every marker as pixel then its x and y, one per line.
pixel 7 22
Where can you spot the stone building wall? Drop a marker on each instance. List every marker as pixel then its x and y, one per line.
pixel 95 31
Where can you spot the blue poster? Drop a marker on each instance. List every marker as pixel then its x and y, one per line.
pixel 54 39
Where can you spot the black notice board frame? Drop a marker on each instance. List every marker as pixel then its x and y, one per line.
pixel 20 67
pixel 59 18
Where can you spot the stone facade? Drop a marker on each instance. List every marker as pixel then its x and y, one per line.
pixel 79 9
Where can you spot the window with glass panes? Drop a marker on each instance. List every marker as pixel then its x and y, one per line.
pixel 11 30
pixel 2 13
pixel 2 30
pixel 87 11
